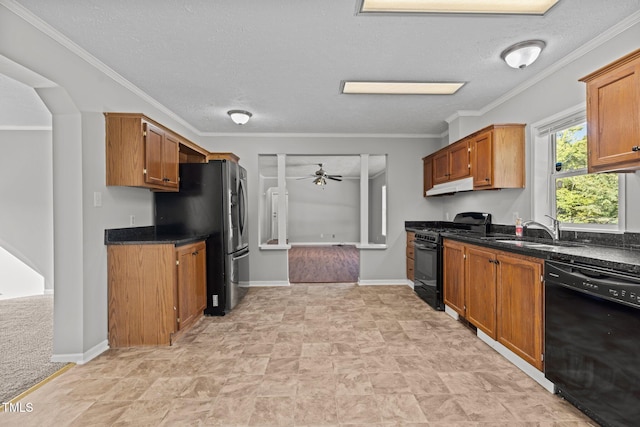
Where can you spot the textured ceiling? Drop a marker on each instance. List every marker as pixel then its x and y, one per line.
pixel 283 60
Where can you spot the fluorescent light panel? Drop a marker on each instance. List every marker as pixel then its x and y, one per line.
pixel 524 7
pixel 401 88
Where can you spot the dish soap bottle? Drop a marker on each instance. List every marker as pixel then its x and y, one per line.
pixel 519 228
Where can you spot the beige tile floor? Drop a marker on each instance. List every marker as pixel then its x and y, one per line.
pixel 313 355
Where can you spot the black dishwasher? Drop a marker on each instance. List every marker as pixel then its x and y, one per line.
pixel 592 340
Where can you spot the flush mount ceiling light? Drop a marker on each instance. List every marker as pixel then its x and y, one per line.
pixel 400 88
pixel 239 117
pixel 522 54
pixel 522 7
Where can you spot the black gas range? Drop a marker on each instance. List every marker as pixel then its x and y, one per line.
pixel 428 252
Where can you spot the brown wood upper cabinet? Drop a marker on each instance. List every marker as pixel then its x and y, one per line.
pixel 143 153
pixel 493 156
pixel 498 158
pixel 427 170
pixel 452 162
pixel 613 116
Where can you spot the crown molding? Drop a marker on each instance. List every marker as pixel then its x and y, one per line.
pixel 25 128
pixel 323 135
pixel 61 39
pixel 607 35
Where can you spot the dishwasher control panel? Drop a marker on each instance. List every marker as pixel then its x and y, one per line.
pixel 611 285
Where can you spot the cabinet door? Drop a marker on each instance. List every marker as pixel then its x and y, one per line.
pixel 170 150
pixel 427 171
pixel 482 160
pixel 481 289
pixel 190 281
pixel 613 117
pixel 459 160
pixel 201 278
pixel 519 301
pixel 153 149
pixel 453 275
pixel 441 167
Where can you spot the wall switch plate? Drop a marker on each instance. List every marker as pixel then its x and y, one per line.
pixel 132 219
pixel 214 300
pixel 97 199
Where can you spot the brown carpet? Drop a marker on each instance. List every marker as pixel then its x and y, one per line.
pixel 324 264
pixel 26 334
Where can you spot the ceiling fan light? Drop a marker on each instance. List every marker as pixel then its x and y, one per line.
pixel 522 54
pixel 239 117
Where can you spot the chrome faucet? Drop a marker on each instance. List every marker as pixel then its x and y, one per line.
pixel 553 233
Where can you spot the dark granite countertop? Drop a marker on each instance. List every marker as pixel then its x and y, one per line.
pixel 149 235
pixel 617 258
pixel 617 251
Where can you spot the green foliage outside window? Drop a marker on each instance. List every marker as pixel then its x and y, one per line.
pixel 582 198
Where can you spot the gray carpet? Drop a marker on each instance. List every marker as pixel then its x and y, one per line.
pixel 26 343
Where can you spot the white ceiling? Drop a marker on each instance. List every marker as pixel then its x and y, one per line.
pixel 284 60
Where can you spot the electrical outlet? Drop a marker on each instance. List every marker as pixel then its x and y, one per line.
pixel 132 219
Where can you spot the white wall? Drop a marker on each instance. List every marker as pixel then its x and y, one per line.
pixel 330 213
pixel 26 199
pixel 555 93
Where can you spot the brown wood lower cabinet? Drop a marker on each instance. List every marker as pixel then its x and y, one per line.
pixel 410 255
pixel 501 293
pixel 154 291
pixel 520 306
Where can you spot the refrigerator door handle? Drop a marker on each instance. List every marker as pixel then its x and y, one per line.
pixel 246 254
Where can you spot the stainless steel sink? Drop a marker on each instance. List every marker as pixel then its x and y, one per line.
pixel 537 245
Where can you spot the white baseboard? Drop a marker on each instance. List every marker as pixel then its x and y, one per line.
pixel 517 361
pixel 266 283
pixel 451 312
pixel 82 358
pixel 48 291
pixel 390 282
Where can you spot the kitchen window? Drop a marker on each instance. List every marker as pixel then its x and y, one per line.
pixel 580 200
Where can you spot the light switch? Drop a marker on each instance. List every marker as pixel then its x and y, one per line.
pixel 97 199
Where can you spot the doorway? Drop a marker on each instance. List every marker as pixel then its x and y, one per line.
pixel 26 238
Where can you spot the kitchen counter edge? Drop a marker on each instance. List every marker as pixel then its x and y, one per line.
pixel 149 235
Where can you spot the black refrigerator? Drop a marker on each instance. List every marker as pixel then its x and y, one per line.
pixel 212 200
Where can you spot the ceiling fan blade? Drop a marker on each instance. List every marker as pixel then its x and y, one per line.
pixel 333 177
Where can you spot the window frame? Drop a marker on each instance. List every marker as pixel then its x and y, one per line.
pixel 543 198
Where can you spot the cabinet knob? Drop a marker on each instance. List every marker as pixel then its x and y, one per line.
pixel 487 179
pixel 635 148
pixel 195 253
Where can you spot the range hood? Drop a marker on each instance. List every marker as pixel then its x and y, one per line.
pixel 465 184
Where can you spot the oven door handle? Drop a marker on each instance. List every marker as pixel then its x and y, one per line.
pixel 425 246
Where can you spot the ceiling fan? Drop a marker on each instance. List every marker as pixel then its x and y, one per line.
pixel 320 176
